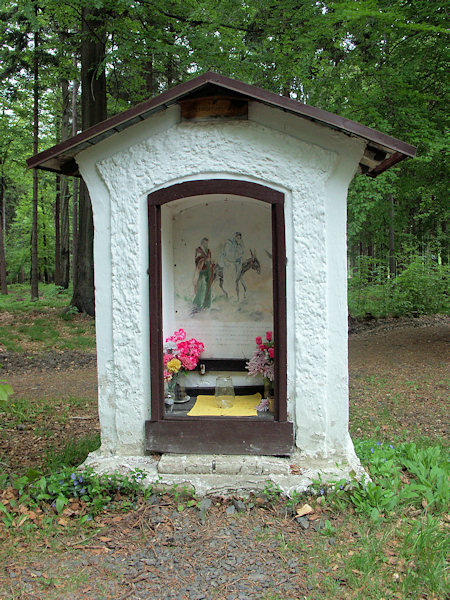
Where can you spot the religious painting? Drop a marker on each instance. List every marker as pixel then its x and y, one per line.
pixel 222 272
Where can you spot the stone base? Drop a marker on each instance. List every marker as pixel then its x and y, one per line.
pixel 230 475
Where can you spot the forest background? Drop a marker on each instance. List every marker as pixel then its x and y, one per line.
pixel 66 65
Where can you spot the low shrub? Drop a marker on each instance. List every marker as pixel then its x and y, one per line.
pixel 401 476
pixel 421 288
pixel 86 492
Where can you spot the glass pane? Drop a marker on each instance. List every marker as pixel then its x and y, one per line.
pixel 217 292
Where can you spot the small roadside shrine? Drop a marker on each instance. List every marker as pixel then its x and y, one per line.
pixel 220 218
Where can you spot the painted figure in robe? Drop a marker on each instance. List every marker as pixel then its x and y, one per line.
pixel 203 276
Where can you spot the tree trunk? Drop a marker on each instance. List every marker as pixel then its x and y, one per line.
pixel 57 231
pixel 3 285
pixel 46 275
pixel 287 90
pixel 392 262
pixel 83 295
pixel 65 235
pixel 444 245
pixel 64 248
pixel 93 105
pixel 149 78
pixel 370 255
pixel 3 217
pixel 34 226
pixel 74 185
pixel 170 71
pixel 75 190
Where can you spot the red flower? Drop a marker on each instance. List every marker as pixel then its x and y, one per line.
pixel 268 336
pixel 271 352
pixel 259 340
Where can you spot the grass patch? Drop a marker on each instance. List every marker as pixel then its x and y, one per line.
pixel 399 408
pixel 398 552
pixel 72 454
pixel 46 324
pixel 42 333
pixel 50 296
pixel 398 559
pixel 77 342
pixel 9 339
pixel 384 538
pixel 22 410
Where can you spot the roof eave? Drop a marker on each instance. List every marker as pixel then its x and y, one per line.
pixel 60 158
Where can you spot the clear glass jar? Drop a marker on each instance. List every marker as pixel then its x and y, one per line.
pixel 224 392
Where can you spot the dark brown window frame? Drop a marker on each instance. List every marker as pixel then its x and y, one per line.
pixel 227 435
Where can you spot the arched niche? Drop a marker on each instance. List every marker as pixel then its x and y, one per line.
pixel 214 213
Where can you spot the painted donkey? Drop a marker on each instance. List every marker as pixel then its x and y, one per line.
pixel 250 263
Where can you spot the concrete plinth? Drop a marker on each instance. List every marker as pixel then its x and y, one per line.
pixel 230 475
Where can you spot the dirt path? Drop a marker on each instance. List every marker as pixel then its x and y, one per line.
pixel 69 383
pixel 399 379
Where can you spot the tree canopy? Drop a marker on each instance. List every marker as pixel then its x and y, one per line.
pixel 383 63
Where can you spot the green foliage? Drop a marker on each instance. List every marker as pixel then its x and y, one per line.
pixel 58 489
pixel 45 324
pixel 18 236
pixel 69 313
pixel 94 490
pixel 421 288
pixel 403 476
pixel 73 454
pixel 5 391
pixel 381 63
pixel 425 550
pixel 272 492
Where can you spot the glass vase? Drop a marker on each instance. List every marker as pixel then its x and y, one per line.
pixel 180 396
pixel 224 392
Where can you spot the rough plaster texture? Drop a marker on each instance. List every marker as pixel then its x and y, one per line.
pixel 229 475
pixel 313 166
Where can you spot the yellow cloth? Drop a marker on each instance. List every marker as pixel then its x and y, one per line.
pixel 243 406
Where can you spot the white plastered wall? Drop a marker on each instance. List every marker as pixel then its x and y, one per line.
pixel 312 165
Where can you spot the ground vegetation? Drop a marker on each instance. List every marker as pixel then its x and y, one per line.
pixel 66 533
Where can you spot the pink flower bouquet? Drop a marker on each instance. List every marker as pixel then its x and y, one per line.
pixel 179 356
pixel 262 359
pixel 262 363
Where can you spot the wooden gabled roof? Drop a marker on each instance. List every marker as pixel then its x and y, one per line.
pixel 382 151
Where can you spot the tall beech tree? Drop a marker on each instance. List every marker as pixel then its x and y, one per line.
pixel 62 199
pixel 34 229
pixel 3 282
pixel 93 110
pixel 75 187
pixel 7 132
